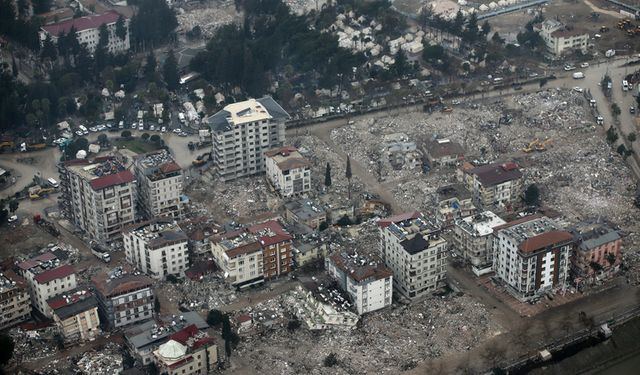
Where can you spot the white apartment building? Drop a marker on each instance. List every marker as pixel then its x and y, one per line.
pixel 15 301
pixel 99 196
pixel 414 251
pixel 76 315
pixel 123 298
pixel 157 248
pixel 492 185
pixel 88 31
pixel 287 171
pixel 473 240
pixel 47 278
pixel 365 278
pixel 531 256
pixel 239 256
pixel 242 132
pixel 159 185
pixel 561 39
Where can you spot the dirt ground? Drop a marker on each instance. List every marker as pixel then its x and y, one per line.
pixel 21 239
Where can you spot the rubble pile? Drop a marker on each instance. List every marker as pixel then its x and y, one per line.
pixel 301 7
pixel 209 293
pixel 208 17
pixel 385 342
pixel 31 345
pixel 106 361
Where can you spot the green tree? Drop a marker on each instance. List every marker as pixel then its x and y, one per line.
pixel 293 325
pixel 348 174
pixel 155 139
pixel 103 139
pixel 125 134
pixel 170 71
pixel 615 110
pixel 6 349
pixel 631 137
pixel 49 50
pixel 145 136
pixel 14 67
pixel 327 175
pixel 41 6
pixel 330 360
pixel 497 39
pixel 153 24
pixel 121 28
pixel 150 66
pixel 486 28
pixel 214 317
pixel 458 22
pixel 13 205
pixel 324 225
pixel 401 65
pixel 612 135
pixel 470 33
pixel 621 149
pixel 532 195
pixel 611 258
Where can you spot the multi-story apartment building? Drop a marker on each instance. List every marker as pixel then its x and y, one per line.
pixel 276 246
pixel 561 39
pixel 199 231
pixel 599 251
pixel 15 301
pixel 88 31
pixel 452 202
pixel 76 315
pixel 123 298
pixel 365 278
pixel 100 196
pixel 473 240
pixel 288 172
pixel 414 251
pixel 242 132
pixel 47 277
pixel 531 256
pixel 239 256
pixel 157 247
pixel 159 185
pixel 492 185
pixel 188 352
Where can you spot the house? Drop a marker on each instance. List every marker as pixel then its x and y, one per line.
pixel 14 299
pixel 452 202
pixel 561 39
pixel 123 298
pixel 307 252
pixel 306 212
pixel 492 185
pixel 473 240
pixel 415 252
pixel 531 256
pixel 288 171
pixel 598 252
pixel 241 133
pixel 76 315
pixel 365 278
pixel 443 152
pixel 157 247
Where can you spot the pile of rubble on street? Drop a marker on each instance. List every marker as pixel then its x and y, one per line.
pixel 105 361
pixel 383 342
pixel 209 293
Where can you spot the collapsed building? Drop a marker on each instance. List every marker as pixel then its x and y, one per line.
pixel 442 152
pixel 452 202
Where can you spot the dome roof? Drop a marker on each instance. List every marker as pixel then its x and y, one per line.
pixel 172 350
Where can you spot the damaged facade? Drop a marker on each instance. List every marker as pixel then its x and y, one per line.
pixel 473 239
pixel 492 185
pixel 160 181
pixel 123 298
pixel 288 172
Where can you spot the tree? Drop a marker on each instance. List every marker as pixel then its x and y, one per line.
pixel 214 317
pixel 125 134
pixel 458 22
pixel 145 136
pixel 121 29
pixel 14 67
pixel 621 149
pixel 324 225
pixel 327 175
pixel 153 24
pixel 344 221
pixel 615 110
pixel 532 195
pixel 631 137
pixel 6 349
pixel 156 305
pixel 150 66
pixel 486 28
pixel 496 38
pixel 612 135
pixel 470 33
pixel 41 6
pixel 611 258
pixel 13 205
pixel 170 71
pixel 172 279
pixel 401 64
pixel 293 325
pixel 155 139
pixel 348 174
pixel 103 139
pixel 330 360
pixel 49 50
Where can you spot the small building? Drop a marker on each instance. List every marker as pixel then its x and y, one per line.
pixel 306 212
pixel 276 246
pixel 473 240
pixel 415 252
pixel 492 185
pixel 531 256
pixel 561 39
pixel 14 299
pixel 160 181
pixel 452 202
pixel 199 231
pixel 76 315
pixel 47 277
pixel 443 152
pixel 288 171
pixel 157 247
pixel 598 253
pixel 365 278
pixel 308 252
pixel 123 298
pixel 188 352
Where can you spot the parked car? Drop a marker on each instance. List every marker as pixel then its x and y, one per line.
pixel 584 65
pixel 152 127
pixel 177 130
pixel 93 129
pixel 578 89
pixel 164 129
pixel 12 218
pixel 632 110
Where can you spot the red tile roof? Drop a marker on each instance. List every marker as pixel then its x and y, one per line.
pixel 245 249
pixel 112 180
pixel 244 318
pixel 202 342
pixel 169 167
pixel 82 23
pixel 279 234
pixel 183 335
pixel 383 223
pixel 56 273
pixel 286 150
pixel 496 173
pixel 36 261
pixel 544 240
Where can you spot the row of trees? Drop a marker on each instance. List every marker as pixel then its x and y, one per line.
pixel 466 28
pixel 18 26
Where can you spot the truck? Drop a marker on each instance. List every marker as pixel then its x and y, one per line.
pixel 578 75
pixel 33 147
pixel 100 252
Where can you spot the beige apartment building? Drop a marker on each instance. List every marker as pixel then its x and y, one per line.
pixel 239 256
pixel 160 182
pixel 288 172
pixel 473 240
pixel 76 315
pixel 492 185
pixel 15 301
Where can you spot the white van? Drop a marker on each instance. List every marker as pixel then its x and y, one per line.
pixel 53 183
pixel 625 85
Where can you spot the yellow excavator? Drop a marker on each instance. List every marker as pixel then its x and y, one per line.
pixel 542 146
pixel 531 146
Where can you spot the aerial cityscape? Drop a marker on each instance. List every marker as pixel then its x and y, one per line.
pixel 319 187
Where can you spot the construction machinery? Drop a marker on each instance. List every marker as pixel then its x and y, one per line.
pixel 542 146
pixel 531 146
pixel 38 192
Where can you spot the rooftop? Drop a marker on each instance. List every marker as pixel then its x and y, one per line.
pixel 496 173
pixel 595 236
pixel 119 282
pixel 360 267
pixel 536 234
pixel 237 243
pixel 54 274
pixel 155 332
pixel 406 226
pixel 103 173
pixel 157 165
pixel 43 262
pixel 481 224
pixel 287 158
pixel 158 232
pixel 10 280
pixel 305 209
pixel 82 23
pixel 72 303
pixel 438 148
pixel 270 233
pixel 247 111
pixel 453 191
